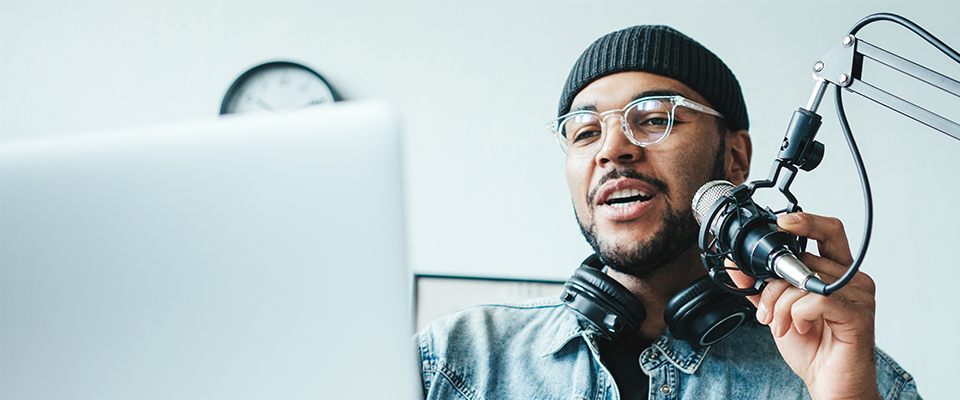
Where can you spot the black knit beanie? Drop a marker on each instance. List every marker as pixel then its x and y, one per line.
pixel 663 51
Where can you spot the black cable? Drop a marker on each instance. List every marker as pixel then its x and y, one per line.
pixel 855 152
pixel 867 199
pixel 909 25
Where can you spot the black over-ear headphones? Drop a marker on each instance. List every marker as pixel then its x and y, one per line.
pixel 701 314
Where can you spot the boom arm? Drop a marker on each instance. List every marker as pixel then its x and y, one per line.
pixel 843 66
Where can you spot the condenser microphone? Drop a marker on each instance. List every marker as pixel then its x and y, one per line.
pixel 731 224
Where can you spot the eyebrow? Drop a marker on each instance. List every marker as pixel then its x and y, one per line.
pixel 648 93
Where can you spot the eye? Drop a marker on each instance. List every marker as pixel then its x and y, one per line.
pixel 649 120
pixel 581 129
pixel 653 121
pixel 648 114
pixel 586 135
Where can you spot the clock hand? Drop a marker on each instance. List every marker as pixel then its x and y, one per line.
pixel 295 108
pixel 264 105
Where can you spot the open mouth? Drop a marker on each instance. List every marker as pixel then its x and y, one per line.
pixel 626 198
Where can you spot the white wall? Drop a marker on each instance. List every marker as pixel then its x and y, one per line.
pixel 476 82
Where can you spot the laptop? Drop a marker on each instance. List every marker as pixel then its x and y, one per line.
pixel 244 257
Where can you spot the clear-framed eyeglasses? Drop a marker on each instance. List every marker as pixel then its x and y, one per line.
pixel 645 121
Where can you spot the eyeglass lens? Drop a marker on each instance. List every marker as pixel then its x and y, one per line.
pixel 648 122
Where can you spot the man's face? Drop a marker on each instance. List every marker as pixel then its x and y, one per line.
pixel 655 224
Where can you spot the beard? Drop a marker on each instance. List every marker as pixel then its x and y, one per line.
pixel 678 232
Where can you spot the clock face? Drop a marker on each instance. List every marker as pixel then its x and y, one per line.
pixel 276 87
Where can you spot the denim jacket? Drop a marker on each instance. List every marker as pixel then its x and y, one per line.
pixel 540 350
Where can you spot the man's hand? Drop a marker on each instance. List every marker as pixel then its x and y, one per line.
pixel 827 340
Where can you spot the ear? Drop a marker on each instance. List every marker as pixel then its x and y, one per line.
pixel 739 150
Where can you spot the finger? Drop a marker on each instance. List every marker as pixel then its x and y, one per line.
pixel 828 232
pixel 783 318
pixel 807 311
pixel 830 271
pixel 847 313
pixel 767 299
pixel 767 303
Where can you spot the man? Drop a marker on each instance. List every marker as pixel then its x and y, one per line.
pixel 647 116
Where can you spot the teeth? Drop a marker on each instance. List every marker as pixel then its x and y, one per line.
pixel 624 193
pixel 623 205
pixel 634 194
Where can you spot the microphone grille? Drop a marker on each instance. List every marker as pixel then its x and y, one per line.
pixel 707 195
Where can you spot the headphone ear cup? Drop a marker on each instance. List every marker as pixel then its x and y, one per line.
pixel 604 302
pixel 703 313
pixel 625 302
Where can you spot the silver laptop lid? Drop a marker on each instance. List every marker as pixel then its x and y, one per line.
pixel 237 258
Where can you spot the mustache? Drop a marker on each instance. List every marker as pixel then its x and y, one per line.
pixel 618 173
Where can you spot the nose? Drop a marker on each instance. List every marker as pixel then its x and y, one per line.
pixel 616 147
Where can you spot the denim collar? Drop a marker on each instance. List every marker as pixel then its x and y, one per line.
pixel 677 352
pixel 666 349
pixel 569 330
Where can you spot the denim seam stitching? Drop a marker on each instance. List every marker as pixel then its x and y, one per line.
pixel 428 364
pixel 902 377
pixel 688 366
pixel 457 381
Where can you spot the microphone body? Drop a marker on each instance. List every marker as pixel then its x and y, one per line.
pixel 748 236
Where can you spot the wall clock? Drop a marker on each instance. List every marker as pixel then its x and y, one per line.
pixel 279 87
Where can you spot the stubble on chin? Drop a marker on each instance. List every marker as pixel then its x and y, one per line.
pixel 678 232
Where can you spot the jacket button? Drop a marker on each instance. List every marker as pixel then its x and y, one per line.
pixel 665 389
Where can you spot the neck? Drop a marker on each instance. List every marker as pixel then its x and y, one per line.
pixel 656 290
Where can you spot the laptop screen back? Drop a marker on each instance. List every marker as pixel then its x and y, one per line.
pixel 237 258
